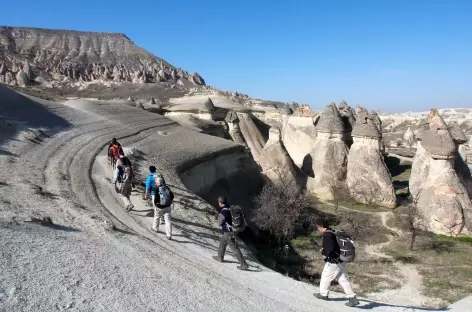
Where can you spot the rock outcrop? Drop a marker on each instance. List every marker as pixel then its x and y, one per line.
pixel 349 119
pixel 305 111
pixel 409 137
pixel 460 165
pixel 232 120
pixel 329 155
pixel 441 197
pixel 298 136
pixel 276 164
pixel 368 179
pixel 80 56
pixel 251 134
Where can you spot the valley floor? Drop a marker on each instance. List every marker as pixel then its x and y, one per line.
pixel 97 257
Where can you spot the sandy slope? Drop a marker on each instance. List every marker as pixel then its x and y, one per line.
pixel 80 264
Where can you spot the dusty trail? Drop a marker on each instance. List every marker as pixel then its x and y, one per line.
pixel 83 266
pixel 410 292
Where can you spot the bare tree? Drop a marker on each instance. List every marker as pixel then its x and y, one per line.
pixel 357 223
pixel 279 207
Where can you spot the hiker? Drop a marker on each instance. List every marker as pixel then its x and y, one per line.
pixel 151 188
pixel 229 236
pixel 162 202
pixel 334 268
pixel 126 187
pixel 115 151
pixel 123 175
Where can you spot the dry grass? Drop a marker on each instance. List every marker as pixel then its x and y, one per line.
pixel 368 273
pixel 444 263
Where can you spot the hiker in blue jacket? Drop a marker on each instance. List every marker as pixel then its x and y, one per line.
pixel 151 188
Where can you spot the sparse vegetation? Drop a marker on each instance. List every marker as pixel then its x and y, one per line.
pixel 279 208
pixel 445 264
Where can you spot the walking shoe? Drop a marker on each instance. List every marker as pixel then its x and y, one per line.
pixel 129 207
pixel 320 296
pixel 154 229
pixel 242 267
pixel 168 237
pixel 217 259
pixel 352 302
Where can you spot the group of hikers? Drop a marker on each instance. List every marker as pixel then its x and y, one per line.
pixel 337 248
pixel 123 181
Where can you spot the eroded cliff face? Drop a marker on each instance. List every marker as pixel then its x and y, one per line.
pixel 298 136
pixel 43 56
pixel 232 173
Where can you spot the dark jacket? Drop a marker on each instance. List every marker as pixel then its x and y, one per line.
pixel 224 218
pixel 331 250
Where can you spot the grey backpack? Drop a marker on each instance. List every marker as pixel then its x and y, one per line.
pixel 346 245
pixel 165 197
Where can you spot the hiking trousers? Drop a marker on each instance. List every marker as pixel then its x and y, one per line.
pixel 153 201
pixel 158 214
pixel 229 238
pixel 335 271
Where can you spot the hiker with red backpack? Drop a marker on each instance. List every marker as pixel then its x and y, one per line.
pixel 232 222
pixel 337 250
pixel 115 151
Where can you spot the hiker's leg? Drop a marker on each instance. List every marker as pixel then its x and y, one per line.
pixel 222 247
pixel 126 200
pixel 155 223
pixel 167 215
pixel 330 272
pixel 235 249
pixel 343 280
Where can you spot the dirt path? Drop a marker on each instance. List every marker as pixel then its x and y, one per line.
pixel 410 292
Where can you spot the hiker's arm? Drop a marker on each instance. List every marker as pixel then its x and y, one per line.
pixel 329 240
pixel 148 188
pixel 115 175
pixel 221 219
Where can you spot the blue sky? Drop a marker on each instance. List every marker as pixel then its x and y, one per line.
pixel 384 54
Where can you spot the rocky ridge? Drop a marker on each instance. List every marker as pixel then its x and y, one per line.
pixel 48 57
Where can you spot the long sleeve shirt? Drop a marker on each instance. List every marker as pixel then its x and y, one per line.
pixel 331 250
pixel 224 218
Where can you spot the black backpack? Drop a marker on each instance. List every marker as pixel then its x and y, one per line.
pixel 237 218
pixel 346 246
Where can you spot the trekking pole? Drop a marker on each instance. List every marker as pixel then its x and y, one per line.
pixel 286 251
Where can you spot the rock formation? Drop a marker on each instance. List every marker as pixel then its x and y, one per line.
pixel 276 164
pixel 409 137
pixel 234 130
pixel 305 111
pixel 460 165
pixel 299 135
pixel 329 155
pixel 349 119
pixel 81 56
pixel 21 78
pixel 441 197
pixel 368 178
pixel 251 134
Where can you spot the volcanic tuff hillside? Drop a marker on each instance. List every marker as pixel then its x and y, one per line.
pixel 29 55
